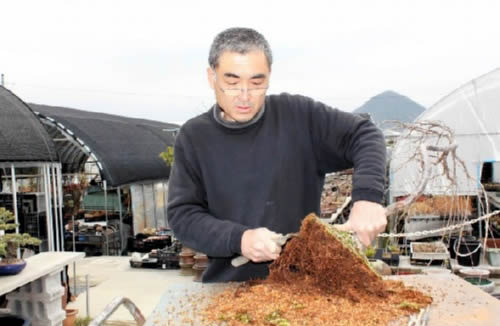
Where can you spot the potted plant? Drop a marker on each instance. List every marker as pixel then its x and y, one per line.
pixel 10 242
pixel 370 253
pixel 389 254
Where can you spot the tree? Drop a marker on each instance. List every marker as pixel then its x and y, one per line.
pixel 9 242
pixel 168 156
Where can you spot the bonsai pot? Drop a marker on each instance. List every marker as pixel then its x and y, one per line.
pixel 474 272
pixel 186 258
pixel 473 251
pixel 12 269
pixel 483 283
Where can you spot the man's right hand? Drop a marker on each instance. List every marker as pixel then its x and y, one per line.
pixel 259 245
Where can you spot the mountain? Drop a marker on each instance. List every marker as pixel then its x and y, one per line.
pixel 390 105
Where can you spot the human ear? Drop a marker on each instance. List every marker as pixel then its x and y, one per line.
pixel 211 77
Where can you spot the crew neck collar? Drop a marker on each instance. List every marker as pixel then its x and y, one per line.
pixel 218 116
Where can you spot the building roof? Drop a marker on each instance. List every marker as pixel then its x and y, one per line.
pixel 22 137
pixel 127 149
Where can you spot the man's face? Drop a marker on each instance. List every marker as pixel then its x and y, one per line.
pixel 248 72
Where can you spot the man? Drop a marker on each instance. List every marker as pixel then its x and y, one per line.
pixel 254 165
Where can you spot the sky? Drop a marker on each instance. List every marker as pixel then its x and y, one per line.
pixel 148 59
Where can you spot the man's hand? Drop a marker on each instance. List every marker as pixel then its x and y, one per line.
pixel 259 245
pixel 367 220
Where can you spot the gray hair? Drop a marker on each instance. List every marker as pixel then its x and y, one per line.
pixel 240 40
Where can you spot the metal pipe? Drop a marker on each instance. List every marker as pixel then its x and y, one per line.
pixel 121 219
pixel 14 196
pixel 23 164
pixel 50 209
pixel 74 278
pixel 14 201
pixel 74 243
pixel 87 293
pixel 145 219
pixel 154 206
pixel 47 209
pixel 165 200
pixel 54 200
pixel 106 214
pixel 60 191
pixel 115 304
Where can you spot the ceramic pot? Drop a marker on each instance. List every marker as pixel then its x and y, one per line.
pixel 493 255
pixel 70 317
pixel 186 259
pixel 12 269
pixel 451 247
pixel 483 283
pixel 473 251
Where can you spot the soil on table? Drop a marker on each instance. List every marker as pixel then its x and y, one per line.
pixel 429 247
pixel 319 279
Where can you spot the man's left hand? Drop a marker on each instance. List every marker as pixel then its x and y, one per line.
pixel 367 220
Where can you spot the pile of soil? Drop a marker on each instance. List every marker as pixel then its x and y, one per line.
pixel 319 279
pixel 324 259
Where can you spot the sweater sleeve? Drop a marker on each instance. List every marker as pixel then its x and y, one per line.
pixel 344 140
pixel 188 213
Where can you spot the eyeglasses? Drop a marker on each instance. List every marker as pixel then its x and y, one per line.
pixel 250 91
pixel 258 91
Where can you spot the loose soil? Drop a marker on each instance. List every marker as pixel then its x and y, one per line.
pixel 319 279
pixel 10 261
pixel 429 247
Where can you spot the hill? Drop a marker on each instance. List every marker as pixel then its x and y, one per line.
pixel 390 105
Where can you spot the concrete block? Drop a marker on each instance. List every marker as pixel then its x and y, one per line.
pixel 44 297
pixel 44 288
pixel 55 320
pixel 40 308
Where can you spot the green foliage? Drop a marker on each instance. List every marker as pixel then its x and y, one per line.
pixel 370 252
pixel 9 242
pixel 243 317
pixel 83 321
pixel 6 217
pixel 223 317
pixel 408 305
pixel 168 155
pixel 275 318
pixel 394 248
pixel 349 242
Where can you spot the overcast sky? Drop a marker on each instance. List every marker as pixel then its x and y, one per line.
pixel 148 58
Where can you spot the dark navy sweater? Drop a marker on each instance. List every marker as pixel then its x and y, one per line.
pixel 269 174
